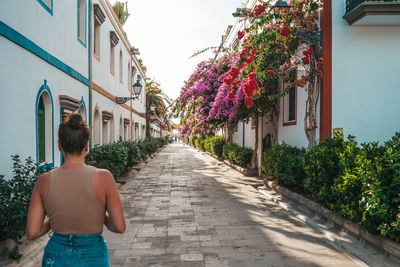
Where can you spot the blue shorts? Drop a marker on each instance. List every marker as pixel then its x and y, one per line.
pixel 76 250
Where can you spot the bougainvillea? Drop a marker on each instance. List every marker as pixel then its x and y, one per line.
pixel 246 85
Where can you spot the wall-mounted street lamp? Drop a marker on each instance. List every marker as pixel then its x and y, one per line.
pixel 137 89
pixel 152 107
pixel 282 8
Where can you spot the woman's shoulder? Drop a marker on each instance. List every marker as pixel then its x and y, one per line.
pixel 102 174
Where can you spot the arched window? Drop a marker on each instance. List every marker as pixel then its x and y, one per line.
pixel 105 132
pixel 121 129
pixel 44 127
pixel 133 131
pixel 96 127
pixel 112 130
pixel 120 67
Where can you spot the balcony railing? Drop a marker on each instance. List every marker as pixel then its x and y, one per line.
pixel 373 12
pixel 351 4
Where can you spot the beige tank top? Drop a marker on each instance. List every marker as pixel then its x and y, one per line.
pixel 71 203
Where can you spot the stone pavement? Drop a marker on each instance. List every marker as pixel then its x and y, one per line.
pixel 186 209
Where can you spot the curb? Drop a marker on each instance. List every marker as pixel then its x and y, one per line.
pixel 385 244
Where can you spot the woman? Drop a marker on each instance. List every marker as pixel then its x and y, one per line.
pixel 74 201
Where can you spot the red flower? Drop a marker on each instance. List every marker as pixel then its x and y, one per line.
pixel 228 80
pixel 249 60
pixel 308 52
pixel 243 53
pixel 259 10
pixel 306 60
pixel 284 31
pixel 286 78
pixel 252 76
pixel 240 34
pixel 234 72
pixel 231 95
pixel 321 64
pixel 234 84
pixel 270 72
pixel 248 102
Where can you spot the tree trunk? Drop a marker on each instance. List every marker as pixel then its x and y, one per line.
pixel 254 157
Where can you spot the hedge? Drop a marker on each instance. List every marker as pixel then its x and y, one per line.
pixel 358 181
pixel 15 195
pixel 237 155
pixel 116 157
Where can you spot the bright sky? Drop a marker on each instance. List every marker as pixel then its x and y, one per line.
pixel 168 32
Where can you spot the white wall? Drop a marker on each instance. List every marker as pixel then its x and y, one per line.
pixel 21 75
pixel 57 33
pixel 366 80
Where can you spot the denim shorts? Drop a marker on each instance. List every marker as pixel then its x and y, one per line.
pixel 76 250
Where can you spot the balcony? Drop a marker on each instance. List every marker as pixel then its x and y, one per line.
pixel 373 12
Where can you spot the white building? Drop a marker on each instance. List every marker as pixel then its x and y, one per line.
pixel 360 87
pixel 58 57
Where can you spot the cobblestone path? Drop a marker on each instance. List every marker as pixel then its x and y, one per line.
pixel 185 209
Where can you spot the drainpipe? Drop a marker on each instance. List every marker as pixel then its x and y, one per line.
pixel 90 70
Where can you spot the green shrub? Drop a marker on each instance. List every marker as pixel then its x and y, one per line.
pixel 199 143
pixel 135 153
pixel 193 140
pixel 237 155
pixel 216 145
pixel 381 189
pixel 15 195
pixel 321 166
pixel 113 157
pixel 285 164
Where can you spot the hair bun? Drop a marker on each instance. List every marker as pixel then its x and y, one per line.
pixel 75 121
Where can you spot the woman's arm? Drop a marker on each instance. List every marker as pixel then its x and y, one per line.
pixel 37 225
pixel 114 219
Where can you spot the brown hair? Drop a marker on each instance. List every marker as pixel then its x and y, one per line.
pixel 73 134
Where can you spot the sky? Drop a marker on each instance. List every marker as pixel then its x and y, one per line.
pixel 168 32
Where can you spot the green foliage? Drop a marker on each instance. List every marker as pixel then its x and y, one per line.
pixel 381 190
pixel 15 195
pixel 359 182
pixel 321 166
pixel 113 157
pixel 199 143
pixel 216 145
pixel 121 10
pixel 116 157
pixel 237 155
pixel 285 164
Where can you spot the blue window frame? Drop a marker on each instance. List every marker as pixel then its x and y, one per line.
pixel 81 21
pixel 44 116
pixel 47 4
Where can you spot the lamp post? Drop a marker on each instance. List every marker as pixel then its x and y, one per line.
pixel 280 8
pixel 137 89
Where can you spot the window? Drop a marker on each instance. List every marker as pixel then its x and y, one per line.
pixel 120 67
pixel 82 111
pixel 112 59
pixel 289 101
pixel 41 125
pixel 105 132
pixel 96 37
pixel 48 5
pixel 44 127
pixel 121 129
pixel 129 77
pixel 96 127
pixel 82 21
pixel 112 130
pixel 99 17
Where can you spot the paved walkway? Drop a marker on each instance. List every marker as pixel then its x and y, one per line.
pixel 186 209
